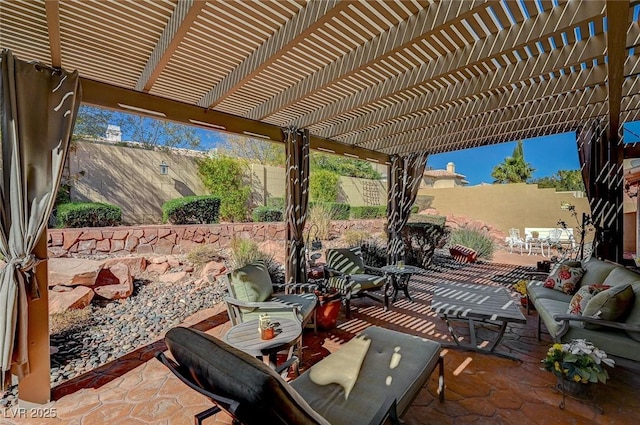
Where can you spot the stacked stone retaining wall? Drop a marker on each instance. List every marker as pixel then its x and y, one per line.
pixel 170 239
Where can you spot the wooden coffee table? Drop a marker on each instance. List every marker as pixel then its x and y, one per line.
pixel 245 337
pixel 477 305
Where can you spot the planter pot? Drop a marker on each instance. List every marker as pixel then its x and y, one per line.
pixel 575 389
pixel 327 311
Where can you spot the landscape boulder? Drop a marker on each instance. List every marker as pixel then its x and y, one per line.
pixel 73 271
pixel 77 298
pixel 115 282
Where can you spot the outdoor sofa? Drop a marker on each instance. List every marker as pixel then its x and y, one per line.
pixel 607 317
pixel 373 376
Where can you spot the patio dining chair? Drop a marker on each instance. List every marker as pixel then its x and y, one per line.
pixel 514 240
pixel 345 271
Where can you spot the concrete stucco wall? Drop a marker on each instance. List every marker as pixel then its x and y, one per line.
pixel 507 205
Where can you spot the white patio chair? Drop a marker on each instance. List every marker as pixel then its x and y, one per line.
pixel 515 240
pixel 554 240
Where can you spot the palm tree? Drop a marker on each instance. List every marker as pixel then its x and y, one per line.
pixel 514 169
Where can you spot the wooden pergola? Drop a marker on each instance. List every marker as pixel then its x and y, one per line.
pixel 366 79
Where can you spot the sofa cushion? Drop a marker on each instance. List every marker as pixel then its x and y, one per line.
pixel 251 283
pixel 226 371
pixel 536 290
pixel 596 272
pixel 633 318
pixel 583 296
pixel 565 279
pixel 612 304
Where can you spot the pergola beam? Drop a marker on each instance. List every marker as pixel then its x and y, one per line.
pixel 184 15
pixel 313 16
pixel 618 23
pixel 52 9
pixel 492 47
pixel 416 27
pixel 131 101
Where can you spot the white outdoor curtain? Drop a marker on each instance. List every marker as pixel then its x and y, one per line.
pixel 405 177
pixel 38 109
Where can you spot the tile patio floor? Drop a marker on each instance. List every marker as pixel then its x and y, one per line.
pixel 481 389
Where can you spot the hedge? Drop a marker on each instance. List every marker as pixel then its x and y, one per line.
pixel 276 203
pixel 262 214
pixel 192 210
pixel 88 214
pixel 365 212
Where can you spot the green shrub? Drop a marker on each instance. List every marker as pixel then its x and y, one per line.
pixel 245 251
pixel 336 210
pixel 88 214
pixel 276 203
pixel 474 239
pixel 224 177
pixel 323 186
pixel 191 210
pixel 368 212
pixel 374 252
pixel 269 214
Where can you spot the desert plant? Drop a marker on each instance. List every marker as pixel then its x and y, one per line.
pixel 323 186
pixel 202 254
pixel 88 214
pixel 422 238
pixel 354 237
pixel 374 252
pixel 474 239
pixel 245 251
pixel 320 215
pixel 191 210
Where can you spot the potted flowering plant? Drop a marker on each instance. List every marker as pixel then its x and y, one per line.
pixel 521 288
pixel 577 364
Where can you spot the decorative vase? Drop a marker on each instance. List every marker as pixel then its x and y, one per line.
pixel 575 389
pixel 523 301
pixel 327 311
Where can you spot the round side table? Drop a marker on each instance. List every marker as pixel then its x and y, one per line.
pixel 400 278
pixel 245 337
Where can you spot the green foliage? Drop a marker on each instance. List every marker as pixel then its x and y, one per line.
pixel 266 214
pixel 421 240
pixel 252 150
pixel 374 252
pixel 64 194
pixel 514 169
pixel 334 210
pixel 474 239
pixel 92 122
pixel 563 180
pixel 203 254
pixel 343 166
pixel 368 212
pixel 88 214
pixel 323 186
pixel 191 210
pixel 224 177
pixel 245 251
pixel 275 202
pixel 437 220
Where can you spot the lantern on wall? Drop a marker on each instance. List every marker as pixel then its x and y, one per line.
pixel 164 168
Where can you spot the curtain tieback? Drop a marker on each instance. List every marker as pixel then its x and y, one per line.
pixel 27 266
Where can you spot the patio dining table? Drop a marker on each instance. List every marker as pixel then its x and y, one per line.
pixel 478 306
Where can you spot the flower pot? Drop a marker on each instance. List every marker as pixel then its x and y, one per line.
pixel 576 389
pixel 523 301
pixel 327 311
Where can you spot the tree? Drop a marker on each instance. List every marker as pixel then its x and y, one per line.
pixel 323 186
pixel 223 177
pixel 343 166
pixel 159 133
pixel 256 151
pixel 92 122
pixel 514 169
pixel 563 180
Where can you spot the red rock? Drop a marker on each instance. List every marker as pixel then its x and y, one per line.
pixel 91 234
pixel 164 247
pixel 56 252
pixel 172 277
pixel 103 245
pixel 57 238
pixel 150 234
pixel 87 246
pixel 163 232
pixel 78 297
pixel 115 282
pixel 117 245
pixel 70 238
pixel 173 261
pixel 120 234
pixel 144 248
pixel 158 260
pixel 73 271
pixel 136 264
pixel 132 243
pixel 213 268
pixel 158 268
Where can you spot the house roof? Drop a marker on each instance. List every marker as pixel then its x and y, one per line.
pixel 443 173
pixel 367 78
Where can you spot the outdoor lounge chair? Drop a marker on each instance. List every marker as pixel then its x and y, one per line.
pixel 345 270
pixel 252 293
pixel 380 372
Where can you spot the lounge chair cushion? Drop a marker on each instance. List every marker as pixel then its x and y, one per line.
pixel 251 283
pixel 346 260
pixel 264 396
pixel 395 364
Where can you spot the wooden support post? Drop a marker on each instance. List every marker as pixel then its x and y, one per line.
pixel 35 388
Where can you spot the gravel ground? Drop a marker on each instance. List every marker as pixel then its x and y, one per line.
pixel 118 327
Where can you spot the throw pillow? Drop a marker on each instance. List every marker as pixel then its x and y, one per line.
pixel 612 304
pixel 582 297
pixel 565 278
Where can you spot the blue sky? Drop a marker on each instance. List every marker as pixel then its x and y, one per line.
pixel 546 154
